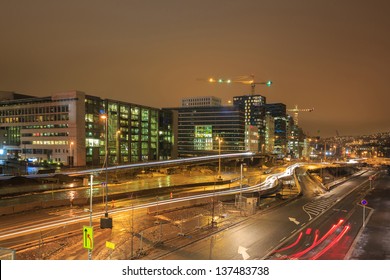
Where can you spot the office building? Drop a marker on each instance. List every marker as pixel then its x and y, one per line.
pixel 201 101
pixel 198 128
pixel 68 129
pixel 253 106
pixel 268 146
pixel 278 112
pixel 45 129
pixel 167 134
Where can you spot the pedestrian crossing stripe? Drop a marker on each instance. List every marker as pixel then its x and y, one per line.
pixel 315 208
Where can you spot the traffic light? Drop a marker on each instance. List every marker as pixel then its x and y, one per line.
pixel 269 83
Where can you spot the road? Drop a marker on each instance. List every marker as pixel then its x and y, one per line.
pixel 256 238
pixel 263 233
pixel 37 225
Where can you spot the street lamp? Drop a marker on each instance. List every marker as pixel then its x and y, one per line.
pixel 240 198
pixel 105 118
pixel 219 139
pixel 71 154
pixel 106 222
pixel 118 133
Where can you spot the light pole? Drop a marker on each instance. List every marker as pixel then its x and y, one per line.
pixel 106 222
pixel 219 158
pixel 105 118
pixel 118 134
pixel 240 197
pixel 71 154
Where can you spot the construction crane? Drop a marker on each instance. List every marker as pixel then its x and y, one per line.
pixel 246 80
pixel 296 110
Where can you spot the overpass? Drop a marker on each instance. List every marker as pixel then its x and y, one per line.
pixel 165 163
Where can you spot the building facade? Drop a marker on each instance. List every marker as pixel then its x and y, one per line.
pixel 167 134
pixel 201 101
pixel 198 128
pixel 253 106
pixel 269 135
pixel 68 128
pixel 278 112
pixel 45 129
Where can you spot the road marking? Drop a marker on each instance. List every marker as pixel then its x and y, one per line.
pixel 316 207
pixel 242 251
pixel 293 220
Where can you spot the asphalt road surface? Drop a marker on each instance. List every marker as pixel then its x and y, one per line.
pixel 263 233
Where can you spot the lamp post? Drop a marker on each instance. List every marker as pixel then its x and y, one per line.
pixel 219 158
pixel 240 197
pixel 106 222
pixel 118 134
pixel 71 154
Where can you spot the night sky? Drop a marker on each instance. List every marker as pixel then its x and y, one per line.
pixel 330 55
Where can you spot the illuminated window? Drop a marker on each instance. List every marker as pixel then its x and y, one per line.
pixel 203 139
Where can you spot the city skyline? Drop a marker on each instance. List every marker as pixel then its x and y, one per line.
pixel 329 56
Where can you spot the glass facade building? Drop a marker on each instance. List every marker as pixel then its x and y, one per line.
pixel 278 112
pixel 198 128
pixel 253 106
pixel 68 128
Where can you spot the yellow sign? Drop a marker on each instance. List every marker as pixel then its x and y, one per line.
pixel 110 245
pixel 88 237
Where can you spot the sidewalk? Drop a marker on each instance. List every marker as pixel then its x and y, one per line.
pixel 373 242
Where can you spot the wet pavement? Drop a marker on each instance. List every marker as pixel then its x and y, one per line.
pixel 373 241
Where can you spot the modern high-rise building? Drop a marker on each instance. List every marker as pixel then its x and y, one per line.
pixel 278 112
pixel 167 134
pixel 198 128
pixel 269 134
pixel 68 128
pixel 295 139
pixel 253 106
